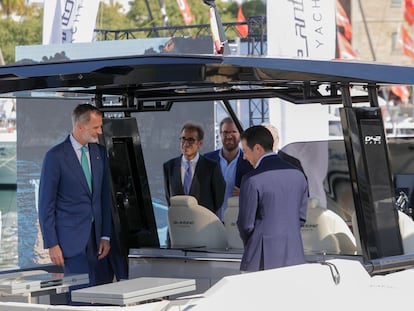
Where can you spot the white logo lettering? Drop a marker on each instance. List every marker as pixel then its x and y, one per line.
pixel 373 140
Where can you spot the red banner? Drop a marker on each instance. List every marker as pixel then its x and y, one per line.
pixel 342 20
pixel 401 91
pixel 242 29
pixel 345 48
pixel 185 11
pixel 407 42
pixel 409 12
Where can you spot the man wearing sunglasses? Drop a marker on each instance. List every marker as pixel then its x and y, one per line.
pixel 193 174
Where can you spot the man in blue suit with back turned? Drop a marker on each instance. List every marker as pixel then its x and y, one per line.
pixel 75 197
pixel 272 206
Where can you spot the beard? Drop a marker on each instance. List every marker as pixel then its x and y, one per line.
pixel 90 139
pixel 230 147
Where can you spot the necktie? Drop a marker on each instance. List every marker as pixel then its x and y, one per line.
pixel 188 176
pixel 85 167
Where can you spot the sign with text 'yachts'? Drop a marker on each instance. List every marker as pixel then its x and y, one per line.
pixel 301 28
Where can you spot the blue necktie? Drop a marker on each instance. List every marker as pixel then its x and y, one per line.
pixel 188 176
pixel 85 167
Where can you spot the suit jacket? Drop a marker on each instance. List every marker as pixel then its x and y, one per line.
pixel 242 166
pixel 67 208
pixel 208 185
pixel 272 209
pixel 292 160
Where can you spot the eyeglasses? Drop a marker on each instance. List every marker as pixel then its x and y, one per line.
pixel 229 133
pixel 189 140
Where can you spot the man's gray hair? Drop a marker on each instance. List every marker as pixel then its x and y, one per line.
pixel 82 113
pixel 275 134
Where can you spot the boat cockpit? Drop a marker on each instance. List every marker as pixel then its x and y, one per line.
pixel 361 185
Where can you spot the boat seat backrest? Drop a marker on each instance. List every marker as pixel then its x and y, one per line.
pixel 406 224
pixel 191 225
pixel 326 232
pixel 230 223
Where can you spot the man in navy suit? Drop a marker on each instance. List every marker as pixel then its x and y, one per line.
pixel 74 210
pixel 230 157
pixel 207 184
pixel 283 155
pixel 272 206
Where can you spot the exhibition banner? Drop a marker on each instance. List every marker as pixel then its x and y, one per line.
pixel 69 21
pixel 301 28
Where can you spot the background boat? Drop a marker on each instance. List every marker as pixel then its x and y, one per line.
pixel 8 184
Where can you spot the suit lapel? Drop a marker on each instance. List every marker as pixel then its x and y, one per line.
pixel 198 171
pixel 266 160
pixel 217 155
pixel 176 178
pixel 96 165
pixel 74 164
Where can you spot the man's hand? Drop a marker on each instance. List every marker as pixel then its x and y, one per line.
pixel 56 255
pixel 104 247
pixel 236 191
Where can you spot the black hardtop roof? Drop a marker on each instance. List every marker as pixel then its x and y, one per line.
pixel 172 76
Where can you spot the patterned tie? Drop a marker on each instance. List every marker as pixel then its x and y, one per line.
pixel 85 167
pixel 188 176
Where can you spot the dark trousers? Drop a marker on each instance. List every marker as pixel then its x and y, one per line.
pixel 83 263
pixel 115 265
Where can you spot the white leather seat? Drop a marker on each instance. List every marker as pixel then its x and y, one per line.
pixel 230 224
pixel 407 232
pixel 191 225
pixel 326 232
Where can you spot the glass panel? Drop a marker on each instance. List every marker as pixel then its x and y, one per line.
pixel 8 184
pixel 160 134
pixel 333 189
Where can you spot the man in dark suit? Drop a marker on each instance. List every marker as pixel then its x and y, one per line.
pixel 272 206
pixel 75 196
pixel 283 155
pixel 205 181
pixel 230 157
